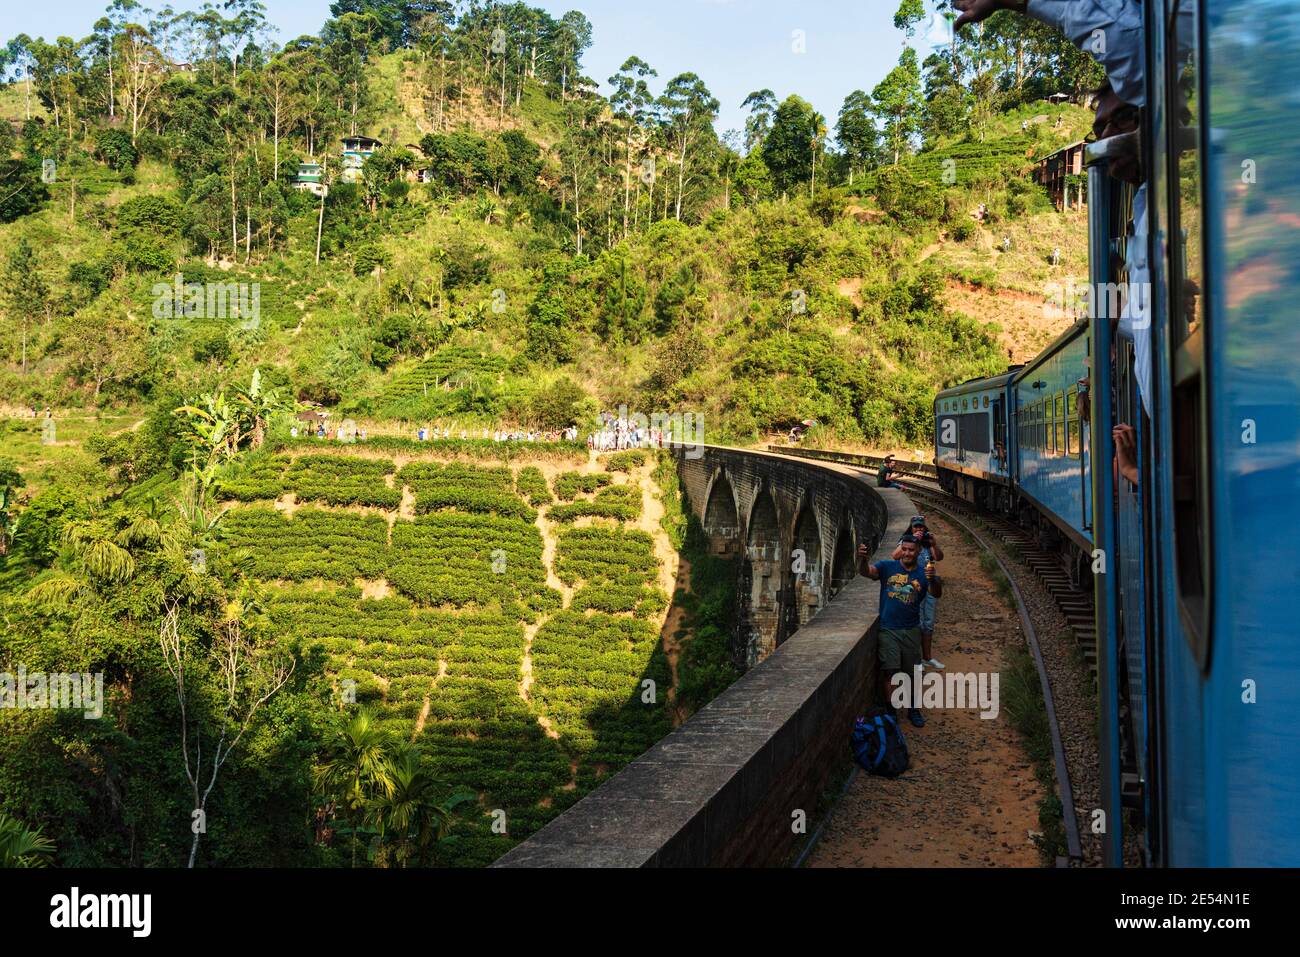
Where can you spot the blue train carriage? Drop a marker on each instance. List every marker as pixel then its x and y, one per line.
pixel 1051 470
pixel 1198 662
pixel 971 449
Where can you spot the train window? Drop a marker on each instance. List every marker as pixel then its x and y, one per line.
pixel 986 402
pixel 963 403
pixel 1059 423
pixel 1189 332
pixel 1072 423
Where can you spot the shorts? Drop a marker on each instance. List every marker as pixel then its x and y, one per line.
pixel 900 649
pixel 928 608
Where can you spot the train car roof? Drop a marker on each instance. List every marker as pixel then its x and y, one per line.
pixel 1060 342
pixel 978 385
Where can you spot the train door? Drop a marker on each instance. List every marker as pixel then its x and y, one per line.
pixel 1000 435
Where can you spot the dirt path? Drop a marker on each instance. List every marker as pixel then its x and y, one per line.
pixel 970 798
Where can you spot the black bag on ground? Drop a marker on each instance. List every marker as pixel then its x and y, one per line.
pixel 878 744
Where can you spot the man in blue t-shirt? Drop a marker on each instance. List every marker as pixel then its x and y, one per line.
pixel 904 585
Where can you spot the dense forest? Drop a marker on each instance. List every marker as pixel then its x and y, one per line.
pixel 506 248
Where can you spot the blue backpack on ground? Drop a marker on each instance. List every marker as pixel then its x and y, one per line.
pixel 878 744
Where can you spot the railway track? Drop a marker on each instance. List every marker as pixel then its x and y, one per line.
pixel 1074 604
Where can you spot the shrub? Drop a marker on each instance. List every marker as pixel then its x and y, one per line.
pixel 116 149
pixel 531 484
pixel 569 484
pixel 153 214
pixel 624 461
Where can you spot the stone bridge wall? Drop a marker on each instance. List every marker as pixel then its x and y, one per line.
pixel 727 787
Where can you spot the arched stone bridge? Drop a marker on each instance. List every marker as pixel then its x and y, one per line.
pixel 730 785
pixel 796 528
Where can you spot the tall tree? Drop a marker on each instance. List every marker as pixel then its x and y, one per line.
pixel 144 70
pixel 856 133
pixel 631 101
pixel 689 111
pixel 23 293
pixel 896 100
pixel 570 38
pixel 762 108
pixel 788 147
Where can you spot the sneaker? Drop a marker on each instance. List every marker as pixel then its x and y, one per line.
pixel 934 663
pixel 914 715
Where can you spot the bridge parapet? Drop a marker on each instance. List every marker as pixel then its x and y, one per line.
pixel 725 788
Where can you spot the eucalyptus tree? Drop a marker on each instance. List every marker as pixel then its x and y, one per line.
pixel 569 38
pixel 689 110
pixel 631 102
pixel 349 42
pixel 280 82
pixel 144 69
pixel 762 110
pixel 896 101
pixel 107 30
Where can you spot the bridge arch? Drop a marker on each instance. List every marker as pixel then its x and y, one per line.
pixel 844 560
pixel 721 516
pixel 806 566
pixel 761 580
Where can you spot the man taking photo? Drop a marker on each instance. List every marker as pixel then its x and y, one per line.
pixel 904 585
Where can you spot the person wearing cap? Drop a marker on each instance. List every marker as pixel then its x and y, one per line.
pixel 885 477
pixel 904 585
pixel 930 552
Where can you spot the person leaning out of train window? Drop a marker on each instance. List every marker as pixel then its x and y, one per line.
pixel 904 585
pixel 885 477
pixel 930 552
pixel 1117 23
pixel 1126 459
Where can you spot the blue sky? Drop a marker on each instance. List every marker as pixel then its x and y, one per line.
pixel 736 46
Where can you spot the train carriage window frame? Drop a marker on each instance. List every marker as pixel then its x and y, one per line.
pixel 1073 434
pixel 1058 423
pixel 1189 343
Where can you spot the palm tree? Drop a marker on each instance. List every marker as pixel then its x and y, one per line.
pixel 21 846
pixel 818 138
pixel 357 769
pixel 408 812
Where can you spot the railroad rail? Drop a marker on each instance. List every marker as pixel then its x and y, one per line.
pixel 873 462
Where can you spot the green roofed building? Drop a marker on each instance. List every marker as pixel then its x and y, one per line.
pixel 311 177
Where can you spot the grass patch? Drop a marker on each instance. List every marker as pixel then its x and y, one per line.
pixel 1000 581
pixel 1022 699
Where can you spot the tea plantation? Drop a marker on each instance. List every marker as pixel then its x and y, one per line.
pixel 450 625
